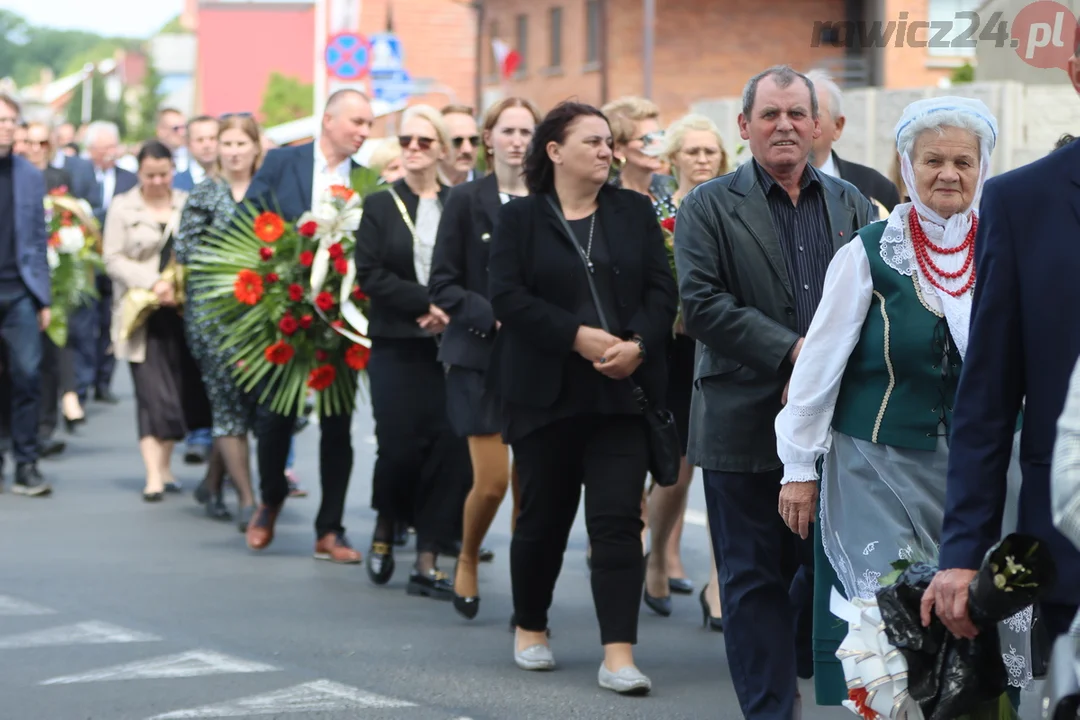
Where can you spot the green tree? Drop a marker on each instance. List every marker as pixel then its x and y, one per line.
pixel 173 27
pixel 963 74
pixel 286 98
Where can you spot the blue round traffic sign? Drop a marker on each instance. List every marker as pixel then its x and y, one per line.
pixel 348 56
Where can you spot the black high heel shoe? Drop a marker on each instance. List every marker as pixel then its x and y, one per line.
pixel 659 605
pixel 70 424
pixel 716 624
pixel 466 606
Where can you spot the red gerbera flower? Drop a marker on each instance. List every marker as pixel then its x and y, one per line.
pixel 356 357
pixel 266 253
pixel 305 321
pixel 321 377
pixel 269 227
pixel 335 251
pixel 859 696
pixel 358 294
pixel 296 292
pixel 308 229
pixel 272 277
pixel 668 224
pixel 341 192
pixel 306 258
pixel 248 287
pixel 341 265
pixel 324 301
pixel 279 353
pixel 288 325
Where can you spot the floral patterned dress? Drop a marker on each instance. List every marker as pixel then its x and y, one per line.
pixel 211 206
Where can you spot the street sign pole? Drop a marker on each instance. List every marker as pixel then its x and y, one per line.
pixel 331 18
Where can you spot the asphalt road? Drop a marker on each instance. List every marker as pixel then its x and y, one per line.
pixel 112 609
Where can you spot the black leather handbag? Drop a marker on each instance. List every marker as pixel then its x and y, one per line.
pixel 665 449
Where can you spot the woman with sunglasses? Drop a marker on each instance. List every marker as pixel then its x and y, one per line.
pixel 459 285
pixel 422 467
pixel 635 126
pixel 581 284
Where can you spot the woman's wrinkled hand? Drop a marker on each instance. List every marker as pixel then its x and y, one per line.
pixel 620 360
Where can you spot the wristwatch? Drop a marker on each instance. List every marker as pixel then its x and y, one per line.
pixel 641 346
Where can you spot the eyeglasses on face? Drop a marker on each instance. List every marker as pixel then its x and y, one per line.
pixel 424 143
pixel 226 116
pixel 474 140
pixel 650 138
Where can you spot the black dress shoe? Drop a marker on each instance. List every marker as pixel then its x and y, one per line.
pixel 102 395
pixel 71 424
pixel 196 454
pixel 432 584
pixel 486 555
pixel 29 482
pixel 681 586
pixel 173 487
pixel 659 605
pixel 467 607
pixel 380 563
pixel 47 447
pixel 151 497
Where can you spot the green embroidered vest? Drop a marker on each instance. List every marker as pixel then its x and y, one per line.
pixel 896 389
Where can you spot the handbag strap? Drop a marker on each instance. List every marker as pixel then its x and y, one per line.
pixel 639 394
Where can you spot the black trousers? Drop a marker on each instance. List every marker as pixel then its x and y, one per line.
pixel 608 455
pixel 274 433
pixel 766 590
pixel 422 469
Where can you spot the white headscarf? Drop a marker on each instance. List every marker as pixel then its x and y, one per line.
pixel 940 112
pixel 896 249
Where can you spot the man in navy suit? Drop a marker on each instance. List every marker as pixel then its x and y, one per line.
pixel 202 148
pixel 25 296
pixel 1021 352
pixel 80 170
pixel 288 181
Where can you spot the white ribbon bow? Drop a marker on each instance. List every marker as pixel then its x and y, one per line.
pixel 871 663
pixel 332 227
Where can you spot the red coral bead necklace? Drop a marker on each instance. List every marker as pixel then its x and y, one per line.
pixel 922 246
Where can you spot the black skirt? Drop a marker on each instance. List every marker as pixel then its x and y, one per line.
pixel 681 384
pixel 472 408
pixel 169 394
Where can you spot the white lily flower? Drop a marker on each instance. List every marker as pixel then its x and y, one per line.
pixel 72 240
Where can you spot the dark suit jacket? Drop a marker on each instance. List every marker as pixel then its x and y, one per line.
pixel 869 181
pixel 459 273
pixel 30 233
pixel 534 274
pixel 283 182
pixel 124 181
pixel 738 305
pixel 57 178
pixel 83 181
pixel 385 267
pixel 1024 343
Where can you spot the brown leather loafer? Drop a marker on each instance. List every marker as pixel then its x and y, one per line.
pixel 335 548
pixel 260 531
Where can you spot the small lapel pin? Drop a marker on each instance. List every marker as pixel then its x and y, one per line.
pixel 485 237
pixel 841 233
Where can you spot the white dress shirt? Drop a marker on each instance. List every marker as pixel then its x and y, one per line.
pixel 829 168
pixel 198 173
pixel 325 176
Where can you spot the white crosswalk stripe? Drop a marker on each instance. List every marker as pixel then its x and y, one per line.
pixel 322 696
pixel 14 606
pixel 93 632
pixel 196 663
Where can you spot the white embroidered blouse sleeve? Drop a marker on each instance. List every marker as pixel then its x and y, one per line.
pixel 803 427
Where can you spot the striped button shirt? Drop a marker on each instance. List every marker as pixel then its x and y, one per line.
pixel 803 231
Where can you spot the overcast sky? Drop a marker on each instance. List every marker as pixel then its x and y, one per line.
pixel 131 18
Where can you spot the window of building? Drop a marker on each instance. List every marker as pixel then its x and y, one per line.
pixel 556 38
pixel 493 35
pixel 963 30
pixel 523 43
pixel 592 31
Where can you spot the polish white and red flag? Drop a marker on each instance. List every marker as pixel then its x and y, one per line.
pixel 507 58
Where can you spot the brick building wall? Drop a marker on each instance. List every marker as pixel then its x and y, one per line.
pixel 703 48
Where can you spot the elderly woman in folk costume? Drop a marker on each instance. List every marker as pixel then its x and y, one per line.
pixel 873 390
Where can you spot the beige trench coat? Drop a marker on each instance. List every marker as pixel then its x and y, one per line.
pixel 131 248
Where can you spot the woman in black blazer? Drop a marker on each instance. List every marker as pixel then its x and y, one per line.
pixel 459 285
pixel 568 411
pixel 422 468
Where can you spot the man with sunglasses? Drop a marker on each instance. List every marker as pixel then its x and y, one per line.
pixel 460 166
pixel 293 180
pixel 171 131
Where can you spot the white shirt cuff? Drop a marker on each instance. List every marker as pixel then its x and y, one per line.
pixel 799 472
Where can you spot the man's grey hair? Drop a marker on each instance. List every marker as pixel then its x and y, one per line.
pixel 96 129
pixel 783 76
pixel 823 82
